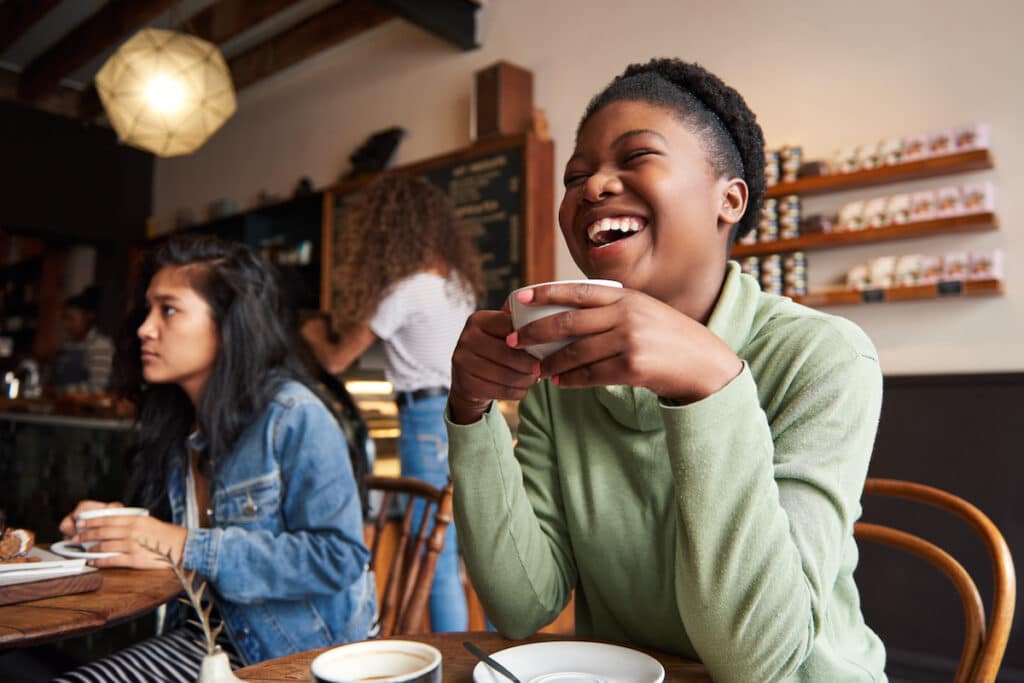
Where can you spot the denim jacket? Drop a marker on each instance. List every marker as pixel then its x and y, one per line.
pixel 284 555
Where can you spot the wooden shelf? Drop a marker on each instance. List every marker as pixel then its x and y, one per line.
pixel 976 222
pixel 975 160
pixel 941 290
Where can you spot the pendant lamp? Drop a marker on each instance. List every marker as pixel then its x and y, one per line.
pixel 166 92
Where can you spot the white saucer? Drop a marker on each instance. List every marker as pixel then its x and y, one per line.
pixel 61 548
pixel 569 661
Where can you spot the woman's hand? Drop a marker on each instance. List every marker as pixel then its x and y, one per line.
pixel 485 368
pixel 628 338
pixel 120 534
pixel 67 525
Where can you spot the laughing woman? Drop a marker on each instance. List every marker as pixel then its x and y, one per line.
pixel 263 496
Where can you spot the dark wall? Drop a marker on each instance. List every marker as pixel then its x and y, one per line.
pixel 59 177
pixel 963 434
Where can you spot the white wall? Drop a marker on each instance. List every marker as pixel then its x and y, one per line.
pixel 823 75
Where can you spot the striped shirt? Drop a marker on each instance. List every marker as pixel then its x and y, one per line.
pixel 419 323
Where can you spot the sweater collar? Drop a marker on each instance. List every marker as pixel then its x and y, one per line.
pixel 732 320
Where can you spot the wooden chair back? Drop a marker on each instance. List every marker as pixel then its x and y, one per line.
pixel 405 558
pixel 984 644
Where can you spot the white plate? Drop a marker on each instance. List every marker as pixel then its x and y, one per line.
pixel 12 578
pixel 561 661
pixel 47 560
pixel 61 548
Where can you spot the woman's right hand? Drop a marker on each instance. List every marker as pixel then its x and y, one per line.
pixel 485 367
pixel 67 525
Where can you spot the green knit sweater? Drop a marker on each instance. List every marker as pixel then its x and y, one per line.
pixel 720 531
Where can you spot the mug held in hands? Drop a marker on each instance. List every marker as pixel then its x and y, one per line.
pixel 523 314
pixel 108 512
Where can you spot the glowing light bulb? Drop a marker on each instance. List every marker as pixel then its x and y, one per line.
pixel 165 94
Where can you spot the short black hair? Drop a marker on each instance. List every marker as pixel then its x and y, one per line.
pixel 714 111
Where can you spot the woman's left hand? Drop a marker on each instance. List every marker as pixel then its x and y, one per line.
pixel 628 337
pixel 120 534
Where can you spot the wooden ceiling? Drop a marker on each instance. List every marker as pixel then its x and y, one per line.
pixel 288 31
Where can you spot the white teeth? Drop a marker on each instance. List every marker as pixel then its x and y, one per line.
pixel 620 224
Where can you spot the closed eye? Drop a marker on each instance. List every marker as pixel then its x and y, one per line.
pixel 574 178
pixel 638 154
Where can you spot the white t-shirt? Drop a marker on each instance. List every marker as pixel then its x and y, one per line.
pixel 419 322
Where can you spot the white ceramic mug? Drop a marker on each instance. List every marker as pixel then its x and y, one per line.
pixel 380 661
pixel 108 512
pixel 523 314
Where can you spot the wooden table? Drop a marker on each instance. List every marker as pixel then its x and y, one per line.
pixel 125 593
pixel 457 662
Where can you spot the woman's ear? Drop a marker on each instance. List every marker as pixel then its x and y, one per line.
pixel 734 201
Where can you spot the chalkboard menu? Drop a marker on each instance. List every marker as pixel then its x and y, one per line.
pixel 502 190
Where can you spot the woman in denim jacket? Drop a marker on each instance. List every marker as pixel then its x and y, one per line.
pixel 264 501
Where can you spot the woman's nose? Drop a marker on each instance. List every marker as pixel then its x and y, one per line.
pixel 601 185
pixel 145 330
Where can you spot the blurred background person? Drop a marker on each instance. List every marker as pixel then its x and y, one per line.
pixel 83 361
pixel 409 276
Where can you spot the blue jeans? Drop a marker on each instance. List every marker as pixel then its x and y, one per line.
pixel 423 450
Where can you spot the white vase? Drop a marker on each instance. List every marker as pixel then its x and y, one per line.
pixel 217 669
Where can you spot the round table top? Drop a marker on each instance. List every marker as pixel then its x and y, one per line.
pixel 458 663
pixel 124 594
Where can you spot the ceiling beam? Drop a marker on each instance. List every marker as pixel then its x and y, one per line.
pixel 90 39
pixel 63 101
pixel 325 29
pixel 218 23
pixel 451 20
pixel 18 16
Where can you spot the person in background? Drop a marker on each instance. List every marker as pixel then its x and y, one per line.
pixel 691 465
pixel 265 501
pixel 409 277
pixel 83 361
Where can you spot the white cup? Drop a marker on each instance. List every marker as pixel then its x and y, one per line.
pixel 108 512
pixel 523 314
pixel 380 661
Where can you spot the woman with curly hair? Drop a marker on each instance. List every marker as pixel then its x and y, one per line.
pixel 692 464
pixel 408 276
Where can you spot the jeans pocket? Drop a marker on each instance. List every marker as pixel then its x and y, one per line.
pixel 432 447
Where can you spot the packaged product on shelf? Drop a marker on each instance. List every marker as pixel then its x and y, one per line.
pixel 857 277
pixel 851 216
pixel 875 213
pixel 881 271
pixel 794 270
pixel 948 202
pixel 986 265
pixel 954 266
pixel 771 274
pixel 751 265
pixel 870 157
pixel 749 238
pixel 908 270
pixel 891 151
pixel 940 142
pixel 897 210
pixel 772 168
pixel 978 198
pixel 790 158
pixel 931 270
pixel 922 206
pixel 813 169
pixel 847 160
pixel 770 208
pixel 915 147
pixel 768 230
pixel 818 223
pixel 971 136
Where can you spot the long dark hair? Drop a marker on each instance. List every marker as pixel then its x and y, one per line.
pixel 256 356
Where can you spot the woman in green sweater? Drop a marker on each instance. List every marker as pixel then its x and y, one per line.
pixel 692 465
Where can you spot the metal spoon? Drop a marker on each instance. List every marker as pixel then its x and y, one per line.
pixel 490 661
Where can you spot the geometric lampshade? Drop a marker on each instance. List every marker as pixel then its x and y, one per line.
pixel 166 92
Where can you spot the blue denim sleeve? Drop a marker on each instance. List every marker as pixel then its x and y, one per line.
pixel 320 550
